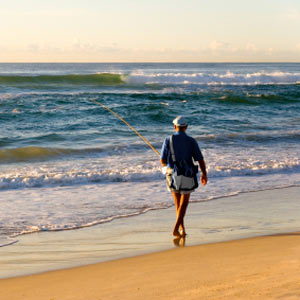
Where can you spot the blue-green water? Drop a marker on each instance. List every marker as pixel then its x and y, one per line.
pixel 67 163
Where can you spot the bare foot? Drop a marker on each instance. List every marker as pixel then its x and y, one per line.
pixel 176 233
pixel 182 232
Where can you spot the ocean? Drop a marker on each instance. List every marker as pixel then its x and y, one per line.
pixel 66 163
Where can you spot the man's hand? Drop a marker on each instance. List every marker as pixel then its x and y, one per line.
pixel 203 179
pixel 203 170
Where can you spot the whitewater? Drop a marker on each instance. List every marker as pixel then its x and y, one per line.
pixel 66 163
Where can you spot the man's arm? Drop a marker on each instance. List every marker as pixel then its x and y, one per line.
pixel 164 153
pixel 203 170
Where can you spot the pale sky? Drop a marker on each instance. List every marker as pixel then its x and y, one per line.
pixel 149 30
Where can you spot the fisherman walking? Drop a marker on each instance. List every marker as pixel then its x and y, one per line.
pixel 179 151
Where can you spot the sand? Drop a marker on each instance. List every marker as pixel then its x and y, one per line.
pixel 254 268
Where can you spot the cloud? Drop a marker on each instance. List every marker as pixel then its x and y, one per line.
pixel 80 46
pixel 250 47
pixel 298 47
pixel 43 48
pixel 218 45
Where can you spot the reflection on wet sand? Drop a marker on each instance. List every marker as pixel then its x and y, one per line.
pixel 179 241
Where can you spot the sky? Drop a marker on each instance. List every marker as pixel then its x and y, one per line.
pixel 150 31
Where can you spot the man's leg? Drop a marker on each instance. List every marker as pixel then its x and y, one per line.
pixel 176 197
pixel 183 204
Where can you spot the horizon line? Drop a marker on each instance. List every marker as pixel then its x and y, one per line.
pixel 151 62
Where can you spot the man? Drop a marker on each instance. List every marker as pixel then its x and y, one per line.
pixel 185 149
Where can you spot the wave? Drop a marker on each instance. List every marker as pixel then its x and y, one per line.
pixel 27 154
pixel 56 227
pixel 229 78
pixel 70 79
pixel 40 178
pixel 142 78
pixel 7 241
pixel 36 153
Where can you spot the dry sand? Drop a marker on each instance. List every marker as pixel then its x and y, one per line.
pixel 255 268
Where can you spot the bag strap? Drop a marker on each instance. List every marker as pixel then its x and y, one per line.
pixel 172 149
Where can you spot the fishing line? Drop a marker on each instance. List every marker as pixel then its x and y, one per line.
pixel 132 128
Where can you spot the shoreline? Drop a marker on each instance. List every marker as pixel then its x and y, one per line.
pixel 232 218
pixel 135 214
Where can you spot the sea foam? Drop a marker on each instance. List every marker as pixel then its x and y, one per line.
pixel 228 78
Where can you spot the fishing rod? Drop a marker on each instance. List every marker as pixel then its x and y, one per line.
pixel 132 128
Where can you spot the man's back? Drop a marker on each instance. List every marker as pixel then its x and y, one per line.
pixel 185 148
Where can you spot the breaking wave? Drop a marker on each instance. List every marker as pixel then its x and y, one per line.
pixel 142 78
pixel 78 175
pixel 229 78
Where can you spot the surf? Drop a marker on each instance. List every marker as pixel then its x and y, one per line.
pixel 215 78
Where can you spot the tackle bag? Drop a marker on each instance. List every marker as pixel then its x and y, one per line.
pixel 183 176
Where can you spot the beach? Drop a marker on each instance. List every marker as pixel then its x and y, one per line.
pixel 141 261
pixel 66 163
pixel 83 198
pixel 92 94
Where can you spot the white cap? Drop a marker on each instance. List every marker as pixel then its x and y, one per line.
pixel 180 121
